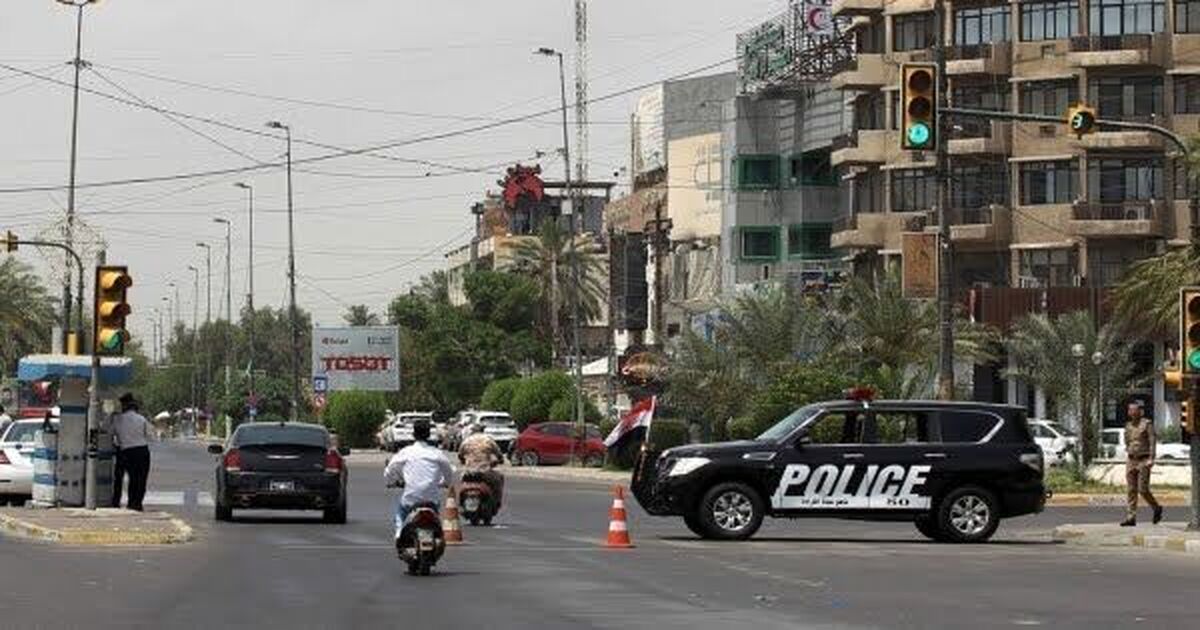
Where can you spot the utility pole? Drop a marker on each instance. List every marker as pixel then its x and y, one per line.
pixel 93 421
pixel 291 278
pixel 69 232
pixel 250 290
pixel 945 251
pixel 228 300
pixel 195 335
pixel 208 270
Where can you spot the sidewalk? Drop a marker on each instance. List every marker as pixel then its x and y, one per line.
pixel 102 527
pixel 1171 536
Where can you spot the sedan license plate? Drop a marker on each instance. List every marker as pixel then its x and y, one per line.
pixel 424 536
pixel 471 504
pixel 283 486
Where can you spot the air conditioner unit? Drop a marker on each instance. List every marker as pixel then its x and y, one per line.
pixel 1028 282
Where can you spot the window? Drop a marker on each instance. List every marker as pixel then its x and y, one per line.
pixel 556 430
pixel 757 172
pixel 1108 263
pixel 1126 17
pixel 760 243
pixel 1187 88
pixel 869 111
pixel 869 39
pixel 809 240
pixel 867 191
pixel 965 426
pixel 1187 186
pixel 1115 180
pixel 836 428
pixel 894 427
pixel 1049 20
pixel 1187 16
pixel 1127 97
pixel 979 185
pixel 262 435
pixel 812 169
pixel 913 189
pixel 1051 98
pixel 981 25
pixel 1048 267
pixel 913 32
pixel 1049 182
pixel 988 96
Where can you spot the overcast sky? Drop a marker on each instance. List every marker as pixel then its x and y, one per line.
pixel 366 227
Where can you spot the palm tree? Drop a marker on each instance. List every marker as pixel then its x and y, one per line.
pixel 548 259
pixel 360 315
pixel 26 313
pixel 1042 351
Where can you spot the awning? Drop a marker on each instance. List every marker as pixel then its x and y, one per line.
pixel 38 367
pixel 1043 158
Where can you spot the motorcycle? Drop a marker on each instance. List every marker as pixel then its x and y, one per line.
pixel 476 499
pixel 422 542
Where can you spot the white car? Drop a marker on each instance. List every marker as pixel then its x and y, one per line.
pixel 1112 442
pixel 16 460
pixel 1057 442
pixel 402 429
pixel 496 424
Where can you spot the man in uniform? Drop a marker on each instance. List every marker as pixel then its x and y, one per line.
pixel 131 436
pixel 1140 445
pixel 481 454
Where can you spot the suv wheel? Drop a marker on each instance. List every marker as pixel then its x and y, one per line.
pixel 968 515
pixel 223 513
pixel 693 523
pixel 730 511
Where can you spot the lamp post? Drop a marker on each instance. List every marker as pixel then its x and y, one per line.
pixel 250 286
pixel 195 337
pixel 174 307
pixel 78 62
pixel 162 342
pixel 1078 351
pixel 570 196
pixel 291 276
pixel 228 300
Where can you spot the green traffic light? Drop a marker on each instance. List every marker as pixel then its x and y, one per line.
pixel 918 134
pixel 1193 360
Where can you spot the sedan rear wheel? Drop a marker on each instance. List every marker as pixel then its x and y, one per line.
pixel 336 515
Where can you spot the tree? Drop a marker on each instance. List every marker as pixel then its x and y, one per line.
pixel 360 315
pixel 549 261
pixel 26 314
pixel 536 395
pixel 1147 298
pixel 356 416
pixel 1042 351
pixel 499 394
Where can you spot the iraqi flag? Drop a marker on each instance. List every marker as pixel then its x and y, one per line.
pixel 640 416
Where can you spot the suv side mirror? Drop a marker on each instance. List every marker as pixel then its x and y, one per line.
pixel 216 449
pixel 804 440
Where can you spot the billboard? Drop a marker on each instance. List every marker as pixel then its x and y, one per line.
pixel 363 358
pixel 919 264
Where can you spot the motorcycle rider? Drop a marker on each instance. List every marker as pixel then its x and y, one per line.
pixel 481 454
pixel 422 469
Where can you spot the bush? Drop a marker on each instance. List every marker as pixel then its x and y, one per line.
pixel 499 394
pixel 742 429
pixel 534 396
pixel 355 416
pixel 798 386
pixel 563 410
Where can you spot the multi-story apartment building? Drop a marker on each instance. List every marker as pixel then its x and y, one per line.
pixel 1031 205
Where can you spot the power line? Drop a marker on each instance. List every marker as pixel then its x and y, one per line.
pixel 408 263
pixel 348 152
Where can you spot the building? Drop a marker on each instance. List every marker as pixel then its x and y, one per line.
pixel 1030 204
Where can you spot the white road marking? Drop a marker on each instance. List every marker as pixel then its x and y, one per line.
pixel 204 499
pixel 163 498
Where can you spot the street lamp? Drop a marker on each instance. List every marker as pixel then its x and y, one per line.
pixel 174 306
pixel 228 300
pixel 291 276
pixel 1079 351
pixel 570 197
pixel 1098 361
pixel 162 341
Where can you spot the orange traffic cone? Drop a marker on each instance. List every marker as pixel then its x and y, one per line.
pixel 451 530
pixel 618 529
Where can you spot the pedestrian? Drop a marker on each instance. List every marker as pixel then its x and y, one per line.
pixel 1140 445
pixel 5 420
pixel 131 436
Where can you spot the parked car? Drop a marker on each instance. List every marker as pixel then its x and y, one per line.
pixel 16 460
pixel 401 430
pixel 1057 442
pixel 280 466
pixel 1112 442
pixel 552 443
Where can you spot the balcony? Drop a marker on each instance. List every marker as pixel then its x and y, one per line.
pixel 992 59
pixel 1090 51
pixel 864 71
pixel 1113 220
pixel 862 147
pixel 981 137
pixel 851 8
pixel 989 224
pixel 1125 138
pixel 875 230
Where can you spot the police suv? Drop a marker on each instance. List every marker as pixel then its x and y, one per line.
pixel 953 469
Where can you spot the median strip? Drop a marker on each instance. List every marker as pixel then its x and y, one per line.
pixel 102 527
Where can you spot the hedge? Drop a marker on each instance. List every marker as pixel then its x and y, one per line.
pixel 356 416
pixel 499 394
pixel 533 398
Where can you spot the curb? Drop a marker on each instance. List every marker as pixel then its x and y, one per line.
pixel 1110 500
pixel 1072 535
pixel 96 537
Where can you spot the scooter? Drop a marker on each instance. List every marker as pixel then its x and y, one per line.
pixel 476 499
pixel 421 542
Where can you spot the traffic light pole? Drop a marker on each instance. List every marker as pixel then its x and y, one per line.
pixel 93 422
pixel 945 258
pixel 1194 456
pixel 1100 122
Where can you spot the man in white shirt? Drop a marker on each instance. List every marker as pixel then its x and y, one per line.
pixel 5 420
pixel 423 469
pixel 131 436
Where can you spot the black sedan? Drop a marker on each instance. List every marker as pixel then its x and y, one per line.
pixel 280 466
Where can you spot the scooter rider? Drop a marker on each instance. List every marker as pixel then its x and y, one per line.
pixel 481 454
pixel 422 469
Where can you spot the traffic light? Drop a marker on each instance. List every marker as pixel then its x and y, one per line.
pixel 1186 421
pixel 1081 119
pixel 10 242
pixel 919 97
pixel 1189 329
pixel 111 309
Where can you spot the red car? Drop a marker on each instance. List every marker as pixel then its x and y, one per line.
pixel 550 443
